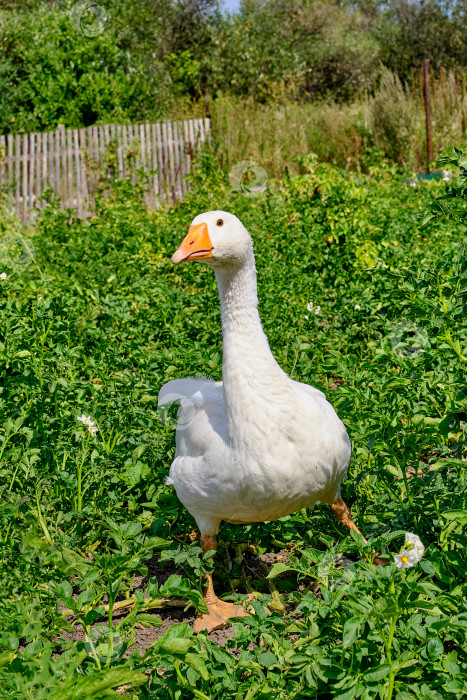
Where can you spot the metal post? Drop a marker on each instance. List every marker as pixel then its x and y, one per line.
pixel 426 95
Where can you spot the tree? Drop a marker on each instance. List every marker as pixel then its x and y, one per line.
pixel 413 30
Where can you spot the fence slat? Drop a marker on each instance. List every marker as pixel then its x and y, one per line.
pixel 129 152
pixel 3 157
pixel 63 164
pixel 171 149
pixel 155 164
pixel 106 131
pixel 24 173
pixel 177 160
pixel 165 160
pixel 70 184
pixel 83 171
pixel 119 141
pixel 160 161
pixel 31 175
pixel 71 161
pixel 38 187
pixel 150 198
pixel 125 149
pixel 48 162
pixel 58 178
pixel 17 172
pixel 142 142
pixel 187 151
pixel 9 162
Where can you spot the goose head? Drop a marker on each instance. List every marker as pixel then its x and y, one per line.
pixel 216 238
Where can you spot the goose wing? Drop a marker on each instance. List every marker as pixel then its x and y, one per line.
pixel 201 421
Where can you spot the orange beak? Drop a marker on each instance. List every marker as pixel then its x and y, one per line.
pixel 195 246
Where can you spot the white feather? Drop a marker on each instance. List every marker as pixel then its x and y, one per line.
pixel 258 445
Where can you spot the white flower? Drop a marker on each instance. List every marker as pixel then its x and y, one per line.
pixel 3 276
pixel 447 175
pixel 405 559
pixel 309 306
pixel 414 545
pixel 317 310
pixel 86 420
pixel 411 553
pixel 357 307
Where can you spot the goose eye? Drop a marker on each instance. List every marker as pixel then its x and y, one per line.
pixel 220 222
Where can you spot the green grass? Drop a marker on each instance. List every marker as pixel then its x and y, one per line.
pixel 95 319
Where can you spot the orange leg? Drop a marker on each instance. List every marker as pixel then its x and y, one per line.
pixel 342 513
pixel 219 612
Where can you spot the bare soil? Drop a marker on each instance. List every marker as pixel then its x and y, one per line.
pixel 145 636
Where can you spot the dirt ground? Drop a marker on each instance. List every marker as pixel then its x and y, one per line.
pixel 145 636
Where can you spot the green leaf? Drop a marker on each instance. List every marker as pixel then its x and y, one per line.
pixel 358 537
pixel 451 667
pixel 267 658
pixel 98 682
pixel 176 586
pixel 459 515
pixel 346 693
pixel 149 620
pixel 64 589
pixel 130 529
pixel 196 662
pixel 85 597
pixel 175 646
pixel 428 216
pixel 435 648
pixel 157 543
pixel 181 630
pixel 377 673
pixel 427 567
pixel 132 472
pixel 74 563
pixel 137 452
pixel 351 629
pixel 278 568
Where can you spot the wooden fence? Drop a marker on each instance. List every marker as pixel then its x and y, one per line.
pixel 72 162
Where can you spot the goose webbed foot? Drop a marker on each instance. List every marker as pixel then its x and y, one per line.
pixel 219 611
pixel 219 614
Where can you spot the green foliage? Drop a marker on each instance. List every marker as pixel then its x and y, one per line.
pixel 78 64
pixel 452 204
pixel 55 70
pixel 409 32
pixel 95 319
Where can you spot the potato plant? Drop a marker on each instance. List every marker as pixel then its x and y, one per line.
pixel 358 299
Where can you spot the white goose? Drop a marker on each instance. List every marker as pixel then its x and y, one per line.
pixel 258 445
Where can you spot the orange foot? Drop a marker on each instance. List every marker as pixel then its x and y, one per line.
pixel 218 616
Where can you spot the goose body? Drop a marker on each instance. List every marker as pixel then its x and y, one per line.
pixel 281 467
pixel 256 446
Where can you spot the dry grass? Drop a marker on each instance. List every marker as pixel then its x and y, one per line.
pixel 274 135
pixel 392 121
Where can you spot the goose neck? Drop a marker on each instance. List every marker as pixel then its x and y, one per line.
pixel 239 301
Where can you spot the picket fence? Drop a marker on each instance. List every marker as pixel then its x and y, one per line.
pixel 75 162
